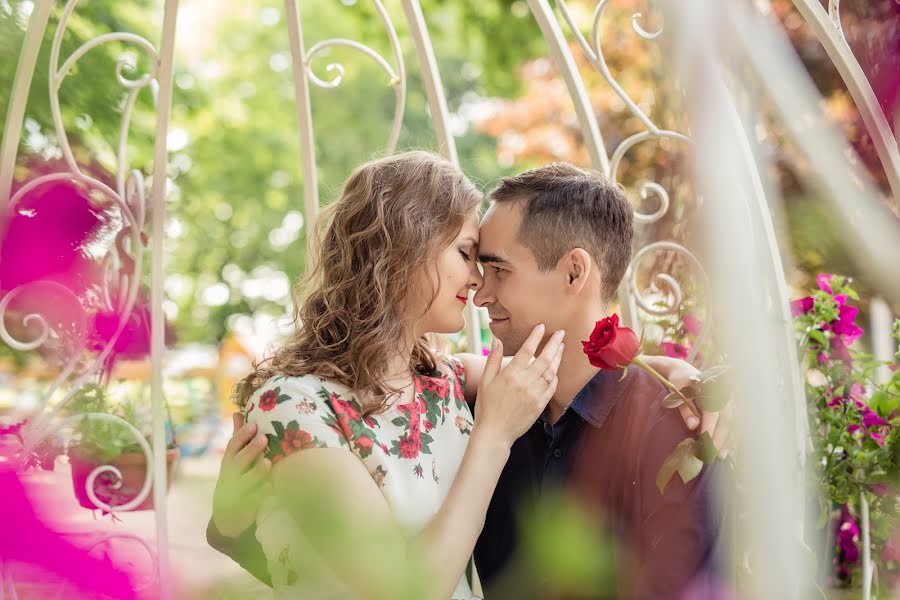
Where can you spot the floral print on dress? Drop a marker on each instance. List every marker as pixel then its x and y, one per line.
pixel 411 450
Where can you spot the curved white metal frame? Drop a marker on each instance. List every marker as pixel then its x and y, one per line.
pixel 121 267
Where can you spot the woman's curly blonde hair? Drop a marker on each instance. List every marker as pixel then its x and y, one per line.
pixel 394 217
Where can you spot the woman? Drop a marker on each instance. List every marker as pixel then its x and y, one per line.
pixel 366 422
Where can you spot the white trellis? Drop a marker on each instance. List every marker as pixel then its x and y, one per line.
pixel 870 232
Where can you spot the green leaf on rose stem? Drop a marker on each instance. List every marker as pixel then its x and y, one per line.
pixel 713 402
pixel 710 374
pixel 672 463
pixel 705 450
pixel 672 400
pixel 690 467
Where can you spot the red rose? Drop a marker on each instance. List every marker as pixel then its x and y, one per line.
pixel 295 440
pixel 610 346
pixel 410 446
pixel 429 426
pixel 268 400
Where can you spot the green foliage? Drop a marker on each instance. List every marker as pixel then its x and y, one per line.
pixel 103 439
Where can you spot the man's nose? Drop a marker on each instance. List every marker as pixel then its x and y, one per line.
pixel 484 296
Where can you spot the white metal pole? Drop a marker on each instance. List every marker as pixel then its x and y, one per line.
pixel 157 275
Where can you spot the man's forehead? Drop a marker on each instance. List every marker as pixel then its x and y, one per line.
pixel 498 235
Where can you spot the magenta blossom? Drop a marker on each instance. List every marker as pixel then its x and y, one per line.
pixel 803 305
pixel 692 325
pixel 674 350
pixel 824 281
pixel 845 326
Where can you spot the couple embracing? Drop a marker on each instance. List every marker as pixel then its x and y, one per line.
pixel 368 455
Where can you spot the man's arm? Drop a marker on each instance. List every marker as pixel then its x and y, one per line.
pixel 677 530
pixel 241 486
pixel 245 550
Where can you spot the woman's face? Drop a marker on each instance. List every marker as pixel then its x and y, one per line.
pixel 454 274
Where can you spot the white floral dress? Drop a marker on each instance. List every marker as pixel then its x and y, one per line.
pixel 412 451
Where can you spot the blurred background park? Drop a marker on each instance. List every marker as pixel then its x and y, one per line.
pixel 235 230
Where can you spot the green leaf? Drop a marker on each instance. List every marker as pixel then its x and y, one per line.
pixel 672 400
pixel 705 450
pixel 819 337
pixel 279 428
pixel 399 421
pixel 672 463
pixel 690 467
pixel 710 374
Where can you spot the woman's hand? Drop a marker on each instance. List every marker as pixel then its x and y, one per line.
pixel 242 482
pixel 511 399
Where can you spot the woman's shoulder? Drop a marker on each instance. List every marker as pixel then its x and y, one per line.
pixel 450 366
pixel 307 394
pixel 297 412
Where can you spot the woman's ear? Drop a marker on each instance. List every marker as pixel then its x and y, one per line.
pixel 577 268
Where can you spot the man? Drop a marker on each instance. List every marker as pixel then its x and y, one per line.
pixel 554 247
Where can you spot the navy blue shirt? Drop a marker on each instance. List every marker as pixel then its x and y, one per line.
pixel 606 450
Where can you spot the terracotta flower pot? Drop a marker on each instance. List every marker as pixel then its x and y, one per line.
pixel 132 465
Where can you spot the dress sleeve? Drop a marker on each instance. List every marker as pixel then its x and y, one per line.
pixel 294 416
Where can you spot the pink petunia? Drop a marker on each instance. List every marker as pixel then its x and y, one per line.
pixel 824 281
pixel 692 325
pixel 674 350
pixel 801 306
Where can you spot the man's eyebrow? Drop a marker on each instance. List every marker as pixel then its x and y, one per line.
pixel 492 258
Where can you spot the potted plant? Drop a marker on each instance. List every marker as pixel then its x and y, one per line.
pixel 97 442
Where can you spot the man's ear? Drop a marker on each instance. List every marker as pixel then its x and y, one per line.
pixel 577 268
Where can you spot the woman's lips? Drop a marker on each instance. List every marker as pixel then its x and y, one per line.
pixel 462 299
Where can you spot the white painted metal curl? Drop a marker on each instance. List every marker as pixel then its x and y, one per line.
pixel 121 267
pixel 828 30
pixel 58 74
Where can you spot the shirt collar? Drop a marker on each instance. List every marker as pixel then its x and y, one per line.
pixel 598 397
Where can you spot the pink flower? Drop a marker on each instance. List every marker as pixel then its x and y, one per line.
pixel 871 419
pixel 675 350
pixel 824 281
pixel 803 305
pixel 692 325
pixel 845 325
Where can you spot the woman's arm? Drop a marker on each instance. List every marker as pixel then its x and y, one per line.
pixel 364 545
pixel 343 513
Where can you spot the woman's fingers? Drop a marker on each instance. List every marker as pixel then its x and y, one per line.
pixel 239 438
pixel 523 357
pixel 494 362
pixel 548 355
pixel 551 389
pixel 551 370
pixel 256 474
pixel 249 453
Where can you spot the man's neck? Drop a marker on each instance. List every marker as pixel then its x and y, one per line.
pixel 574 369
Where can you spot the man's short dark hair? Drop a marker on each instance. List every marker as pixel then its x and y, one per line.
pixel 564 207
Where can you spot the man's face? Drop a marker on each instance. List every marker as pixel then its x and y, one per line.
pixel 516 293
